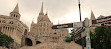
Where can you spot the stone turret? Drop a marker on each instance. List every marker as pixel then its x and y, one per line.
pixel 41 12
pixel 92 29
pixel 15 13
pixel 92 16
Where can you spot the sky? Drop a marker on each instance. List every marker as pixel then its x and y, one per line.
pixel 62 11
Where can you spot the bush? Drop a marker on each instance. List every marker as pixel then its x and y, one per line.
pixel 5 40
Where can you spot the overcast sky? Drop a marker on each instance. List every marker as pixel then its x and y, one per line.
pixel 64 11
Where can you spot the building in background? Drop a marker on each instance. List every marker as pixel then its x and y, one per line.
pixel 43 32
pixel 102 21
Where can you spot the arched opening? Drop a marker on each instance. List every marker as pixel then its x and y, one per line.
pixel 28 42
pixel 3 21
pixel 14 15
pixel 11 22
pixel 38 42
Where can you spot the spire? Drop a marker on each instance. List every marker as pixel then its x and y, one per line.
pixel 42 8
pixel 41 12
pixel 16 9
pixel 92 16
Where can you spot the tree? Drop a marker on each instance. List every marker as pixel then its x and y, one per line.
pixel 102 38
pixel 5 40
pixel 69 39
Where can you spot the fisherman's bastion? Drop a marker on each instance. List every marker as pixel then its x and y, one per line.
pixel 40 36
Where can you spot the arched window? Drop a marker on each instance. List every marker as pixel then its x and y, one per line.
pixel 3 21
pixel 44 25
pixel 55 33
pixel 11 22
pixel 14 15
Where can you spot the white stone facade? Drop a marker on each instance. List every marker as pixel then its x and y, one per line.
pixel 43 31
pixel 12 26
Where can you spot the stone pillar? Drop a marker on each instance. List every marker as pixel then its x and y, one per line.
pixel 2 29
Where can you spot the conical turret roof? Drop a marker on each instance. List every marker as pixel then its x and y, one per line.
pixel 41 12
pixel 16 9
pixel 92 16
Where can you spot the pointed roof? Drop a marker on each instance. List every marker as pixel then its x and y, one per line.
pixel 41 12
pixel 42 8
pixel 92 16
pixel 16 9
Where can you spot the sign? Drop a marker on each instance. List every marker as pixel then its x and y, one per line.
pixel 77 37
pixel 69 25
pixel 77 24
pixel 79 30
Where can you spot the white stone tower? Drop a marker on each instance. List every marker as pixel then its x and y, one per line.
pixel 15 13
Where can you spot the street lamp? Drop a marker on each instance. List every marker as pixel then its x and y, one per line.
pixel 80 21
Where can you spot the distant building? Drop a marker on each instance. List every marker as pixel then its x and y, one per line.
pixel 104 21
pixel 43 32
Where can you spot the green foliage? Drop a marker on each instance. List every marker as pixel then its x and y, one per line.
pixel 69 39
pixel 102 38
pixel 5 40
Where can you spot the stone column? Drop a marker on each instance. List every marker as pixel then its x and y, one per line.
pixel 2 29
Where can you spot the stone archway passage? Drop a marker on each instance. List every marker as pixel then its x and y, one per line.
pixel 28 42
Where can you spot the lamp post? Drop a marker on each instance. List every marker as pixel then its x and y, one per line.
pixel 80 21
pixel 79 9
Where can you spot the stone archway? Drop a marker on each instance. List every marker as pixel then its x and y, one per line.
pixel 28 42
